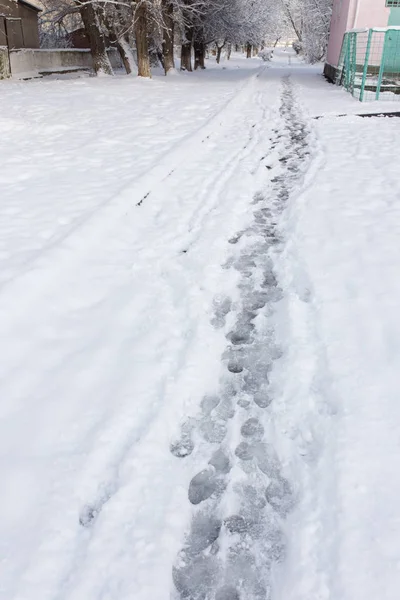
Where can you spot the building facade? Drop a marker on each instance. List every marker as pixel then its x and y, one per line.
pixel 357 14
pixel 19 24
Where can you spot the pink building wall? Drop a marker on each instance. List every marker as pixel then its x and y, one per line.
pixel 352 14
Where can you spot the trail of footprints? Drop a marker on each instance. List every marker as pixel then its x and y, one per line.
pixel 241 496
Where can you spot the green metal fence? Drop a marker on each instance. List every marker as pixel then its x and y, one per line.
pixel 369 65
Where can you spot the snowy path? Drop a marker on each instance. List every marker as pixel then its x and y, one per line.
pixel 237 535
pixel 108 339
pixel 189 391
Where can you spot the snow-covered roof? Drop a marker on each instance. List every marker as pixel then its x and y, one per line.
pixel 33 5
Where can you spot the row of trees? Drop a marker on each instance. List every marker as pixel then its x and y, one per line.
pixel 310 20
pixel 155 27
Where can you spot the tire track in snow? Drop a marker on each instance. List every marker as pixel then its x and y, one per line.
pixel 133 193
pixel 206 201
pixel 128 444
pixel 242 495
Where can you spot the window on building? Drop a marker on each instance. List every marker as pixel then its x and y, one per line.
pixel 393 3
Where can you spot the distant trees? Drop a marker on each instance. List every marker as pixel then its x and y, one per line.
pixel 316 22
pixel 146 32
pixel 310 20
pixel 225 23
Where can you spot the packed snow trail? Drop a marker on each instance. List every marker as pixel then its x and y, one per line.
pixel 242 494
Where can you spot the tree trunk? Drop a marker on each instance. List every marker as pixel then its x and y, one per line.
pixel 142 45
pixel 126 54
pixel 114 23
pixel 248 50
pixel 168 37
pixel 255 51
pixel 124 49
pixel 229 52
pixel 186 51
pixel 160 58
pixel 186 57
pixel 91 22
pixel 199 55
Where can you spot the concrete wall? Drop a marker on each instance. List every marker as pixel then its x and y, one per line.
pixel 351 14
pixel 29 62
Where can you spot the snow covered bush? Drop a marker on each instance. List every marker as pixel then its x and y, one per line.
pixel 297 47
pixel 266 54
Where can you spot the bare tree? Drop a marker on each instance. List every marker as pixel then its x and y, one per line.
pixel 199 47
pixel 310 20
pixel 98 20
pixel 89 12
pixel 220 46
pixel 142 46
pixel 118 20
pixel 168 36
pixel 197 24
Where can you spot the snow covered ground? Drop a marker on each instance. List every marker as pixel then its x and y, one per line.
pixel 199 348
